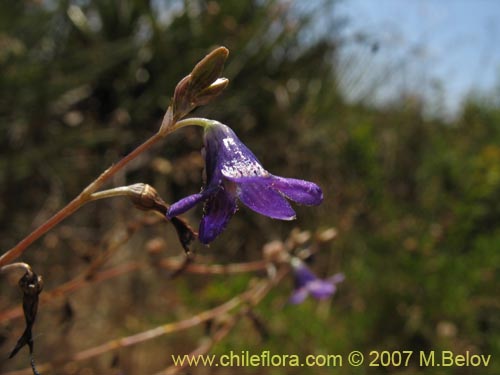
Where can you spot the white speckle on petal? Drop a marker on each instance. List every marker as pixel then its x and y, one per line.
pixel 240 165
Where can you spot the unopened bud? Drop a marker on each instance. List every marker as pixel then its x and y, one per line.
pixel 207 95
pixel 183 101
pixel 208 69
pixel 202 85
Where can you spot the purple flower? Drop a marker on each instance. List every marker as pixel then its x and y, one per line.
pixel 307 283
pixel 234 173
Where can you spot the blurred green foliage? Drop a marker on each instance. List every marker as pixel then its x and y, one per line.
pixel 416 202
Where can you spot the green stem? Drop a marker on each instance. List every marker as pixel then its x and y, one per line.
pixel 116 192
pixel 195 121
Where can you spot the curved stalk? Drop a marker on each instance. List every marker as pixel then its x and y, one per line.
pixel 84 197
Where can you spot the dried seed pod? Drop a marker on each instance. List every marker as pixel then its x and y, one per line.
pixel 31 285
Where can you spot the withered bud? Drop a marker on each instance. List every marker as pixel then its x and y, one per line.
pixel 185 233
pixel 326 235
pixel 145 197
pixel 31 285
pixel 202 85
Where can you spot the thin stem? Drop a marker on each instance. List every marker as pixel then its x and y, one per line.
pixel 116 192
pixel 206 346
pixel 82 280
pixel 251 296
pixel 111 171
pixel 216 269
pixel 89 193
pixel 72 286
pixel 84 197
pixel 19 265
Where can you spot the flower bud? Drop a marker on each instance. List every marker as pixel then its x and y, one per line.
pixel 201 85
pixel 205 96
pixel 183 101
pixel 208 69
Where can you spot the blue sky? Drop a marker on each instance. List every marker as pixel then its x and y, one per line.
pixel 450 44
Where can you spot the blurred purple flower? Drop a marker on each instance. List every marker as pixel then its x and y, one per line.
pixel 306 282
pixel 233 172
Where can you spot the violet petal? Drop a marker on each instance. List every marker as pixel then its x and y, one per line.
pixel 298 296
pixel 320 289
pixel 227 154
pixel 300 191
pixel 256 194
pixel 337 278
pixel 219 208
pixel 184 204
pixel 303 276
